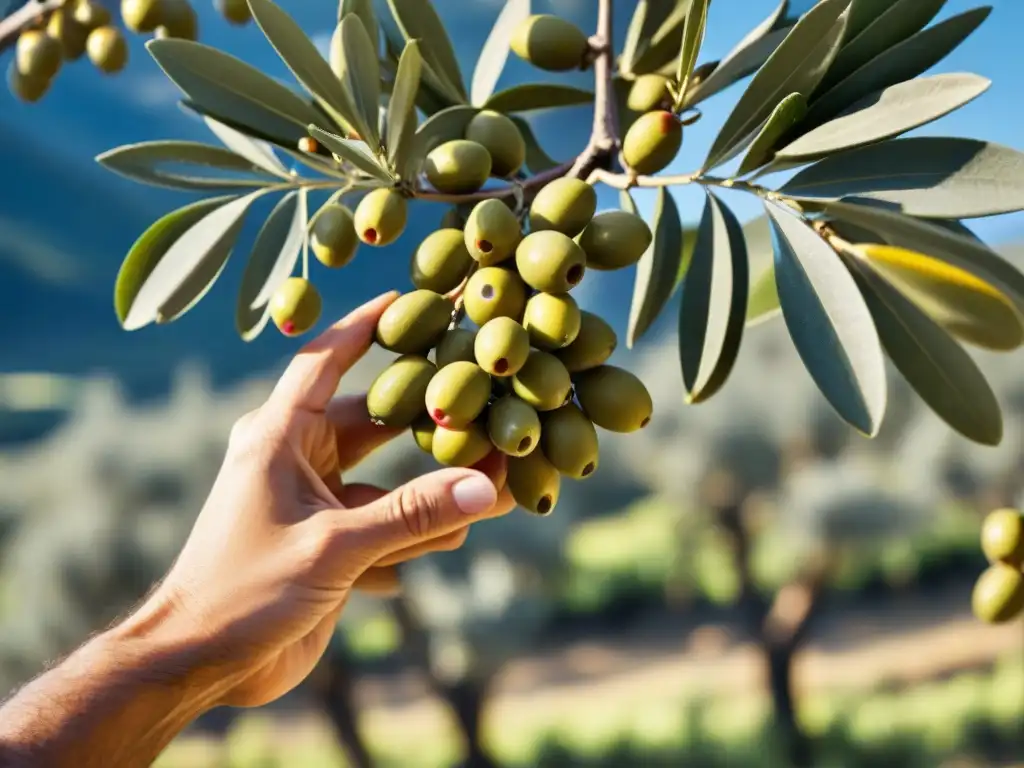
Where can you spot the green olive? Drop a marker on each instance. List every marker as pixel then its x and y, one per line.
pixel 142 15
pixel 456 344
pixel 513 426
pixel 550 43
pixel 381 216
pixel 492 232
pixel 649 92
pixel 461 447
pixel 501 138
pixel 414 322
pixel 1002 536
pixel 333 240
pixel 295 306
pixel 235 11
pixel 494 292
pixel 998 595
pixel 71 35
pixel 441 262
pixel 592 347
pixel 107 49
pixel 501 346
pixel 565 205
pixel 37 55
pixel 534 483
pixel 652 142
pixel 615 239
pixel 569 441
pixel 457 394
pixel 397 396
pixel 552 320
pixel 614 399
pixel 550 261
pixel 458 167
pixel 180 20
pixel 542 382
pixel 91 14
pixel 25 88
pixel 423 429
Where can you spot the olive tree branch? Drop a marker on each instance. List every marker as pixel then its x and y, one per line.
pixel 626 181
pixel 24 17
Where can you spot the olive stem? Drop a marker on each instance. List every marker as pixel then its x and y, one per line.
pixel 626 181
pixel 24 17
pixel 604 133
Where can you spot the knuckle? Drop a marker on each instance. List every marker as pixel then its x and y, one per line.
pixel 241 429
pixel 416 511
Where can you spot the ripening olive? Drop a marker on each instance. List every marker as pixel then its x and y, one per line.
pixel 494 292
pixel 615 239
pixel 549 42
pixel 461 447
pixel 456 344
pixel 652 142
pixel 492 232
pixel 234 11
pixel 142 15
pixel 458 394
pixel 542 382
pixel 414 322
pixel 998 594
pixel 423 433
pixel 26 88
pixel 565 205
pixel 501 138
pixel 397 396
pixel 180 20
pixel 550 261
pixel 91 14
pixel 501 346
pixel 458 167
pixel 649 92
pixel 1002 536
pixel 552 320
pixel 295 306
pixel 593 345
pixel 71 35
pixel 569 441
pixel 614 399
pixel 441 261
pixel 333 239
pixel 381 216
pixel 107 49
pixel 513 426
pixel 534 483
pixel 37 54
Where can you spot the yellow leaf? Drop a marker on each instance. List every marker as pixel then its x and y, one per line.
pixel 965 305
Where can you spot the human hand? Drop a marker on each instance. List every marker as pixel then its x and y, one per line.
pixel 282 541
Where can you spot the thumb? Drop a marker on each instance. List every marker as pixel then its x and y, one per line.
pixel 429 506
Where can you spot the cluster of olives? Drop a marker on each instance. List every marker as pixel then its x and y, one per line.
pixel 86 28
pixel 491 146
pixel 999 592
pixel 531 379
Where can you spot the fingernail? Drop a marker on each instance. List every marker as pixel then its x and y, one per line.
pixel 474 495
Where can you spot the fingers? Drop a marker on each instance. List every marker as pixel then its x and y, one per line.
pixel 446 543
pixel 379 581
pixel 313 376
pixel 357 436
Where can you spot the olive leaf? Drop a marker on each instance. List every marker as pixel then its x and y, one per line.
pixel 495 50
pixel 150 248
pixel 965 305
pixel 899 21
pixel 862 14
pixel 537 160
pixel 352 151
pixel 256 152
pixel 745 58
pixel 442 126
pixel 273 258
pixel 796 66
pixel 363 10
pixel 647 19
pixel 418 20
pixel 523 98
pixel 931 361
pixel 915 55
pixel 693 38
pixel 301 56
pixel 828 321
pixel 888 113
pixel 664 42
pixel 142 162
pixel 763 300
pixel 658 269
pixel 787 114
pixel 189 265
pixel 401 114
pixel 931 177
pixel 232 91
pixel 713 302
pixel 354 62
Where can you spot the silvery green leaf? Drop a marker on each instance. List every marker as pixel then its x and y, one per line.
pixel 658 269
pixel 915 55
pixel 537 160
pixel 232 91
pixel 863 13
pixel 494 54
pixel 190 265
pixel 713 302
pixel 301 56
pixel 363 9
pixel 255 151
pixel 647 19
pixel 787 114
pixel 899 21
pixel 443 126
pixel 663 45
pixel 693 39
pixel 355 152
pixel 354 62
pixel 796 66
pixel 763 301
pixel 418 20
pixel 931 361
pixel 528 96
pixel 143 162
pixel 828 321
pixel 273 258
pixel 888 113
pixel 151 247
pixel 931 177
pixel 401 114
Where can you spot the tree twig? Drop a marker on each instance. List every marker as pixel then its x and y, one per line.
pixel 604 135
pixel 25 16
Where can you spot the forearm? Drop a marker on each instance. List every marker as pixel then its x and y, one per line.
pixel 116 702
